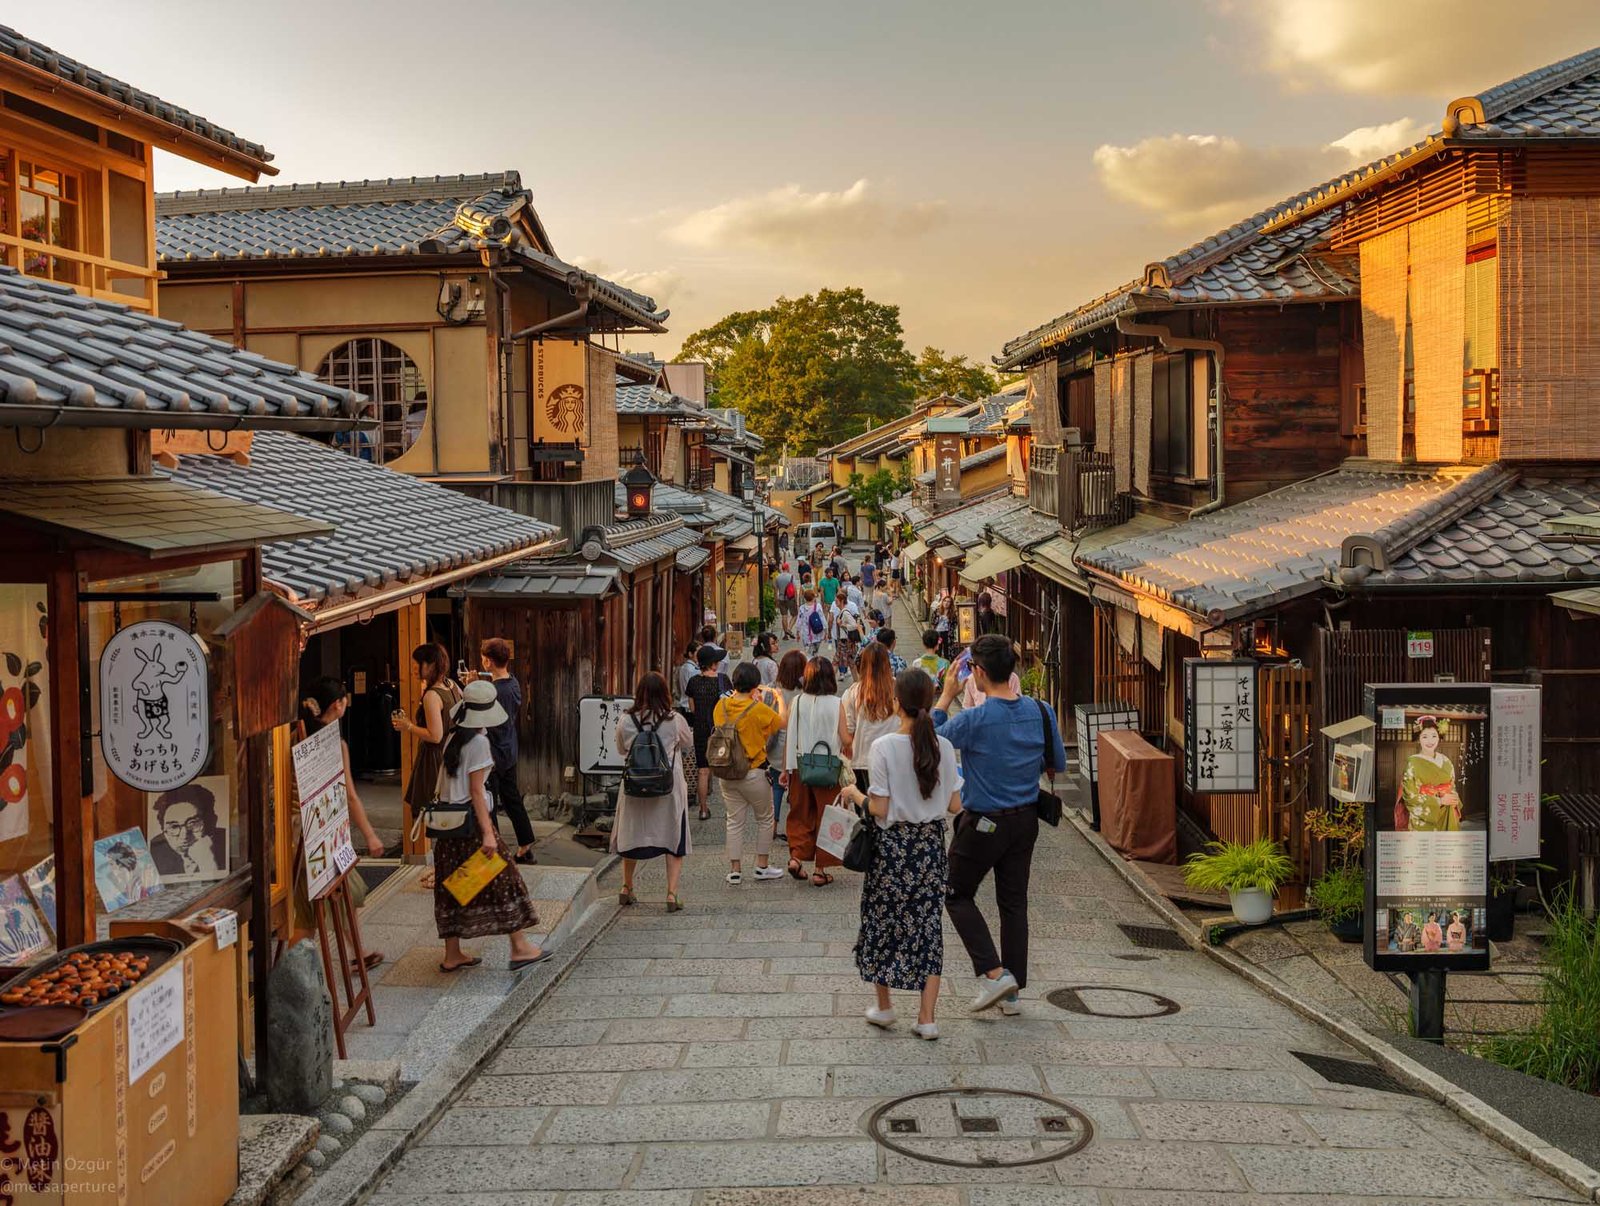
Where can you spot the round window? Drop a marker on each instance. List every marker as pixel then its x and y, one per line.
pixel 392 382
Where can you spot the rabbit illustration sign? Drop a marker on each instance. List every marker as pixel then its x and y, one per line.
pixel 155 706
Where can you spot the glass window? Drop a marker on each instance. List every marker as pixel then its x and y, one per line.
pixel 49 209
pixel 394 385
pixel 1171 425
pixel 27 837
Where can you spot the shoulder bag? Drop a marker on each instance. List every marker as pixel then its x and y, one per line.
pixel 1049 803
pixel 863 844
pixel 819 770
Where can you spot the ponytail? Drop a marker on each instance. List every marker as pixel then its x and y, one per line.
pixel 914 694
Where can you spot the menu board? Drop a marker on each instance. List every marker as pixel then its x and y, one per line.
pixel 1428 874
pixel 324 809
pixel 1219 724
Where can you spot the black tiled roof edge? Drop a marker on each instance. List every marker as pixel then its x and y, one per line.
pixel 336 192
pixel 23 49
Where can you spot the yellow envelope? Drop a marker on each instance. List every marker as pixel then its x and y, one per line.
pixel 473 876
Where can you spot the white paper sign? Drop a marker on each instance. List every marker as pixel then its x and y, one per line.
pixel 155 706
pixel 324 809
pixel 155 1021
pixel 1514 752
pixel 597 733
pixel 1219 740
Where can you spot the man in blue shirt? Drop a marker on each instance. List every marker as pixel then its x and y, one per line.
pixel 1004 745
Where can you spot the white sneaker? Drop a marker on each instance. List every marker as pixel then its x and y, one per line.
pixel 1010 1006
pixel 926 1030
pixel 882 1018
pixel 769 872
pixel 991 992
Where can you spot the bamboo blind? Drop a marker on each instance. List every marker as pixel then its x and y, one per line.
pixel 1143 406
pixel 1383 325
pixel 1438 331
pixel 1103 420
pixel 1042 403
pixel 1122 423
pixel 1550 329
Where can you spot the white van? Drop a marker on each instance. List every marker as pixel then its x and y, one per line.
pixel 808 535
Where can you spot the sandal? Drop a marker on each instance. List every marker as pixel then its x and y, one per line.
pixel 820 879
pixel 427 879
pixel 372 960
pixel 674 905
pixel 735 877
pixel 472 962
pixel 626 897
pixel 795 869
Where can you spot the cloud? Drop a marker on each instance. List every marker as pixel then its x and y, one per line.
pixel 661 284
pixel 1410 47
pixel 1194 178
pixel 789 218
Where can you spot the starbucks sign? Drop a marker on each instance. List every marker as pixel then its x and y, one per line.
pixel 155 706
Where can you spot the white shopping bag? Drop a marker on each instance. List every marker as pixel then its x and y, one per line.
pixel 837 828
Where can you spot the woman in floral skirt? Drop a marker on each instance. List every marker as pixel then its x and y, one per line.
pixel 914 784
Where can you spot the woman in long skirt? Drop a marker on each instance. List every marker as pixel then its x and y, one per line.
pixel 914 785
pixel 502 906
pixel 813 729
pixel 655 826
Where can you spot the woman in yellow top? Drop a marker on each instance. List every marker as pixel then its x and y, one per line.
pixel 1428 786
pixel 755 723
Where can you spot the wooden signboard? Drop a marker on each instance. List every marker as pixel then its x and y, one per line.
pixel 946 470
pixel 1219 724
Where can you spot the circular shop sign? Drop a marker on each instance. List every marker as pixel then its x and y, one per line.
pixel 155 706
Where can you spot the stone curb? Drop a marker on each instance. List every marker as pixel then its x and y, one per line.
pixel 350 1179
pixel 1471 1109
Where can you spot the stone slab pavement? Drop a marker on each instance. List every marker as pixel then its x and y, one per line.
pixel 719 1056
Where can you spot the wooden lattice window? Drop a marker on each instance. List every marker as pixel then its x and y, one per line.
pixel 398 398
pixel 49 208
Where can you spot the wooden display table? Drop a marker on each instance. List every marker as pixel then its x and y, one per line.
pixel 140 1103
pixel 1138 802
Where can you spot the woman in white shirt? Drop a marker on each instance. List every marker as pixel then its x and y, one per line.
pixel 813 729
pixel 502 906
pixel 915 784
pixel 867 710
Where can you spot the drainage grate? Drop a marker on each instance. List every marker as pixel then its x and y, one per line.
pixel 1351 1072
pixel 980 1128
pixel 1154 937
pixel 1071 999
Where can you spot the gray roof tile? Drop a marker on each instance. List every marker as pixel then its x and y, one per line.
pixel 977 460
pixel 964 525
pixel 92 357
pixel 388 527
pixel 23 49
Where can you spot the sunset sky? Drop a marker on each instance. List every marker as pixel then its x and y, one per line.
pixel 983 165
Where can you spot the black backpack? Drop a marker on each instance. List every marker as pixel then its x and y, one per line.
pixel 649 768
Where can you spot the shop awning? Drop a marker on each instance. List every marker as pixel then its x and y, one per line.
pixel 556 583
pixel 915 551
pixel 1586 600
pixel 990 562
pixel 153 515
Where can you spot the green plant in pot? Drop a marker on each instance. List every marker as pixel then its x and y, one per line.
pixel 1505 881
pixel 1339 896
pixel 1250 873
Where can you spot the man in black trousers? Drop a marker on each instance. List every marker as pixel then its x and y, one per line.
pixel 1004 743
pixel 503 787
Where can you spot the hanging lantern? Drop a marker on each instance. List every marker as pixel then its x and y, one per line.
pixel 640 484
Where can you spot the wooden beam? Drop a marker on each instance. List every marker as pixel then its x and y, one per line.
pixel 72 810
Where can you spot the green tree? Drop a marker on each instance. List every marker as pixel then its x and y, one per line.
pixel 938 374
pixel 872 493
pixel 810 371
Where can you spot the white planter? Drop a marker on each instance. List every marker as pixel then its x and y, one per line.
pixel 1251 905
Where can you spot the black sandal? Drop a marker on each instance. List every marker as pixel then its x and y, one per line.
pixel 820 879
pixel 796 869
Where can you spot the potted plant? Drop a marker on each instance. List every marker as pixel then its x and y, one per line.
pixel 1249 873
pixel 1338 898
pixel 1505 881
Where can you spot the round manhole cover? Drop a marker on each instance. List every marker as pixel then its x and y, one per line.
pixel 980 1128
pixel 1109 1001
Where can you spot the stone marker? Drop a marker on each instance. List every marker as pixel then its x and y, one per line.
pixel 299 1032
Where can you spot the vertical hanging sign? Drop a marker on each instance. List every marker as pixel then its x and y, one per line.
pixel 1514 755
pixel 1219 724
pixel 560 391
pixel 946 470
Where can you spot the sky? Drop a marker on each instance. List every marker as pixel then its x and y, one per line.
pixel 984 166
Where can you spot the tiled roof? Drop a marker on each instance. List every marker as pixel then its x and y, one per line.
pixel 964 525
pixel 389 528
pixel 83 362
pixel 1507 540
pixel 642 542
pixel 648 400
pixel 976 461
pixel 1280 545
pixel 542 580
pixel 401 216
pixel 907 508
pixel 692 558
pixel 19 47
pixel 1024 528
pixel 1558 101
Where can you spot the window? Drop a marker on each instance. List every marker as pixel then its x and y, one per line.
pixel 394 385
pixel 1172 420
pixel 1079 392
pixel 49 202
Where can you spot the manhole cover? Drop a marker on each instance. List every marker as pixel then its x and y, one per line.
pixel 1155 937
pixel 980 1128
pixel 1072 999
pixel 1351 1072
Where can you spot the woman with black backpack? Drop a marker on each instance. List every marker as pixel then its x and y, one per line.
pixel 653 806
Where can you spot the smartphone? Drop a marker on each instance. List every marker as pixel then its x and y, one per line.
pixel 964 666
pixel 461 670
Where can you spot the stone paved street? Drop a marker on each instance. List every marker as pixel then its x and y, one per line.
pixel 719 1055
